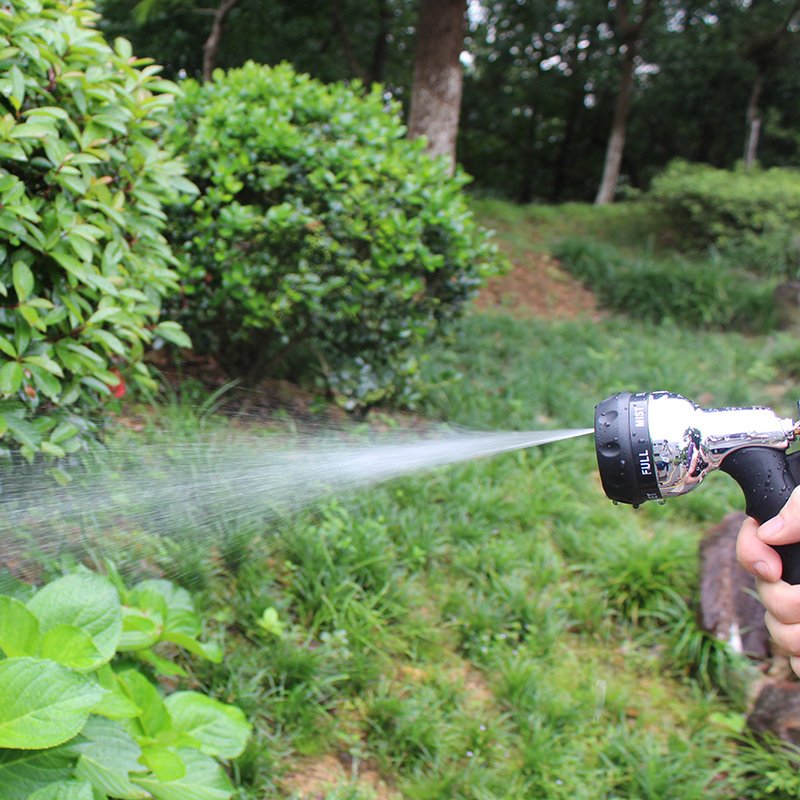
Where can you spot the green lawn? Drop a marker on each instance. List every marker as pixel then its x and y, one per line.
pixel 498 629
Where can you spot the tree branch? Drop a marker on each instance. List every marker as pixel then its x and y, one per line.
pixel 211 45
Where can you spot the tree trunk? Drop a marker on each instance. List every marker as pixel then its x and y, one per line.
pixel 211 45
pixel 630 35
pixel 616 140
pixel 754 120
pixel 438 76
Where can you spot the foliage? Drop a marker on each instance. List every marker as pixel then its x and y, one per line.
pixel 675 288
pixel 322 240
pixel 755 209
pixel 80 719
pixel 83 263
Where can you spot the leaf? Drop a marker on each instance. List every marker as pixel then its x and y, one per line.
pixel 173 603
pixel 115 703
pixel 86 601
pixel 23 772
pixel 10 377
pixel 271 623
pixel 208 650
pixel 7 347
pixel 172 332
pixel 64 790
pixel 154 717
pixel 19 629
pixel 204 780
pixel 220 730
pixel 22 278
pixel 108 760
pixel 140 630
pixel 70 646
pixel 42 704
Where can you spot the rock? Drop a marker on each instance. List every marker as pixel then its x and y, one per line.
pixel 729 608
pixel 787 305
pixel 776 710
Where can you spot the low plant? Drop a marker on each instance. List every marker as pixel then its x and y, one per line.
pixel 79 717
pixel 324 243
pixel 83 262
pixel 709 295
pixel 753 211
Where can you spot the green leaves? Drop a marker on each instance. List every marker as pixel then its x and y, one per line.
pixel 213 727
pixel 80 219
pixel 74 728
pixel 201 779
pixel 83 615
pixel 319 228
pixel 42 704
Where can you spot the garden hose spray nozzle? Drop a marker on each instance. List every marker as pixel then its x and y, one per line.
pixel 656 445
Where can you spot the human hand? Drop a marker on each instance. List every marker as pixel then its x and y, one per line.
pixel 782 600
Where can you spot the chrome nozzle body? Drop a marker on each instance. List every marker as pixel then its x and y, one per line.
pixel 688 442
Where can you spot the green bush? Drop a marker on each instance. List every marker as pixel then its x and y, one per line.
pixel 323 242
pixel 83 264
pixel 752 215
pixel 699 294
pixel 77 722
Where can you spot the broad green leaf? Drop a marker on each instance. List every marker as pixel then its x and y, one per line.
pixel 140 630
pixel 204 780
pixel 171 602
pixel 71 646
pixel 64 790
pixel 19 629
pixel 42 704
pixel 209 650
pixel 164 762
pixel 86 601
pixel 116 704
pixel 23 280
pixel 154 717
pixel 220 730
pixel 23 772
pixel 108 759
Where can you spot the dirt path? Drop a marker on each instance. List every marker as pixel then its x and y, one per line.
pixel 538 286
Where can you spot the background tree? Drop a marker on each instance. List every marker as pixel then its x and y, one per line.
pixel 438 76
pixel 630 24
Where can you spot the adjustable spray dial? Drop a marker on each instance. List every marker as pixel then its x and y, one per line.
pixel 655 445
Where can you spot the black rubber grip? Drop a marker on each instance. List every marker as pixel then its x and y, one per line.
pixel 766 478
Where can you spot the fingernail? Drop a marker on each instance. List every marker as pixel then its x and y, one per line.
pixel 762 570
pixel 771 527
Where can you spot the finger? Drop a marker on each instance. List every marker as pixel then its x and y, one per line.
pixel 795 662
pixel 781 600
pixel 785 528
pixel 785 636
pixel 755 555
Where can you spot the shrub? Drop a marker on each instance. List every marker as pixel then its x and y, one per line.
pixel 691 293
pixel 753 215
pixel 83 264
pixel 323 241
pixel 78 724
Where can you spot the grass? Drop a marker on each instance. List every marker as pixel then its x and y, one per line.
pixel 498 629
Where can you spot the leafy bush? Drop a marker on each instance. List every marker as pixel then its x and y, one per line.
pixel 752 214
pixel 691 293
pixel 322 240
pixel 75 726
pixel 83 264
